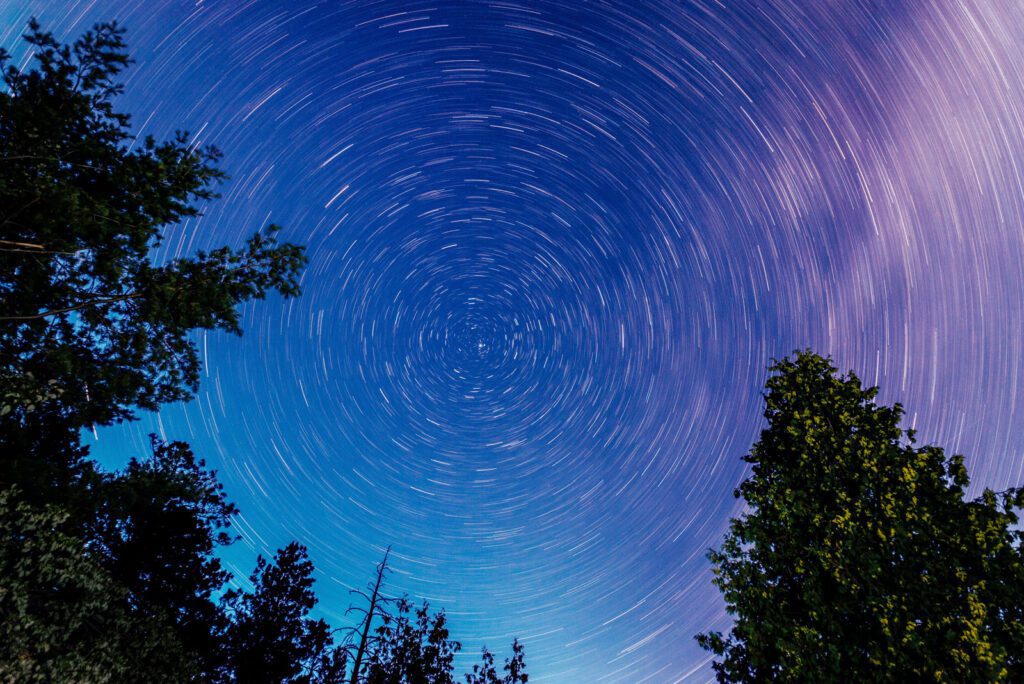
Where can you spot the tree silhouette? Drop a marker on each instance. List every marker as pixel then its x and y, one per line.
pixel 377 603
pixel 487 673
pixel 62 616
pixel 93 326
pixel 412 645
pixel 161 520
pixel 860 558
pixel 272 639
pixel 84 307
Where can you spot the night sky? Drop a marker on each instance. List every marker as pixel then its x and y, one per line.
pixel 553 247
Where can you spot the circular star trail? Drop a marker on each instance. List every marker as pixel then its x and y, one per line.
pixel 553 247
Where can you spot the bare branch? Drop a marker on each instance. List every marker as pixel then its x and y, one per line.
pixel 100 299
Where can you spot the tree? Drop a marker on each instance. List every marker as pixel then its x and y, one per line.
pixel 113 576
pixel 49 465
pixel 84 308
pixel 487 673
pixel 860 559
pixel 271 638
pixel 158 525
pixel 62 616
pixel 110 577
pixel 377 609
pixel 413 645
pixel 515 668
pixel 146 536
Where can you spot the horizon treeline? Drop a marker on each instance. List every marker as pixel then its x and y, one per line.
pixel 114 576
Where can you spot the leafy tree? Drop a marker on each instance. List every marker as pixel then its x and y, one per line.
pixel 487 673
pixel 48 464
pixel 146 535
pixel 113 576
pixel 272 639
pixel 92 328
pixel 159 523
pixel 515 668
pixel 412 647
pixel 85 308
pixel 860 559
pixel 62 616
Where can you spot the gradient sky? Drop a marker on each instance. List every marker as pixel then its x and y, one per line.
pixel 553 247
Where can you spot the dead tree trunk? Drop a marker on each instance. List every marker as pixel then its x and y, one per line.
pixel 364 634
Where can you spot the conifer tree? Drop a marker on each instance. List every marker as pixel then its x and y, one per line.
pixel 272 639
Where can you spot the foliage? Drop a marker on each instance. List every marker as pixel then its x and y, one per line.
pixel 271 638
pixel 158 525
pixel 860 558
pixel 92 329
pixel 82 206
pixel 62 616
pixel 49 465
pixel 487 673
pixel 412 647
pixel 145 535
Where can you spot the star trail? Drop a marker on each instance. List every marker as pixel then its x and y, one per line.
pixel 553 247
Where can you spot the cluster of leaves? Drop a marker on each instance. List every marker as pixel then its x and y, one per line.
pixel 271 637
pixel 514 670
pixel 860 558
pixel 118 570
pixel 62 615
pixel 82 206
pixel 114 577
pixel 413 647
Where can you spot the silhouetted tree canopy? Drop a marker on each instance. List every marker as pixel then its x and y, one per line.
pixel 62 616
pixel 84 307
pixel 860 558
pixel 159 523
pixel 412 645
pixel 514 671
pixel 271 638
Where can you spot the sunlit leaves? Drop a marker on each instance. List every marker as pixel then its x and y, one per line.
pixel 861 559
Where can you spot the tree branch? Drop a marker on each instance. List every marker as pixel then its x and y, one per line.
pixel 76 307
